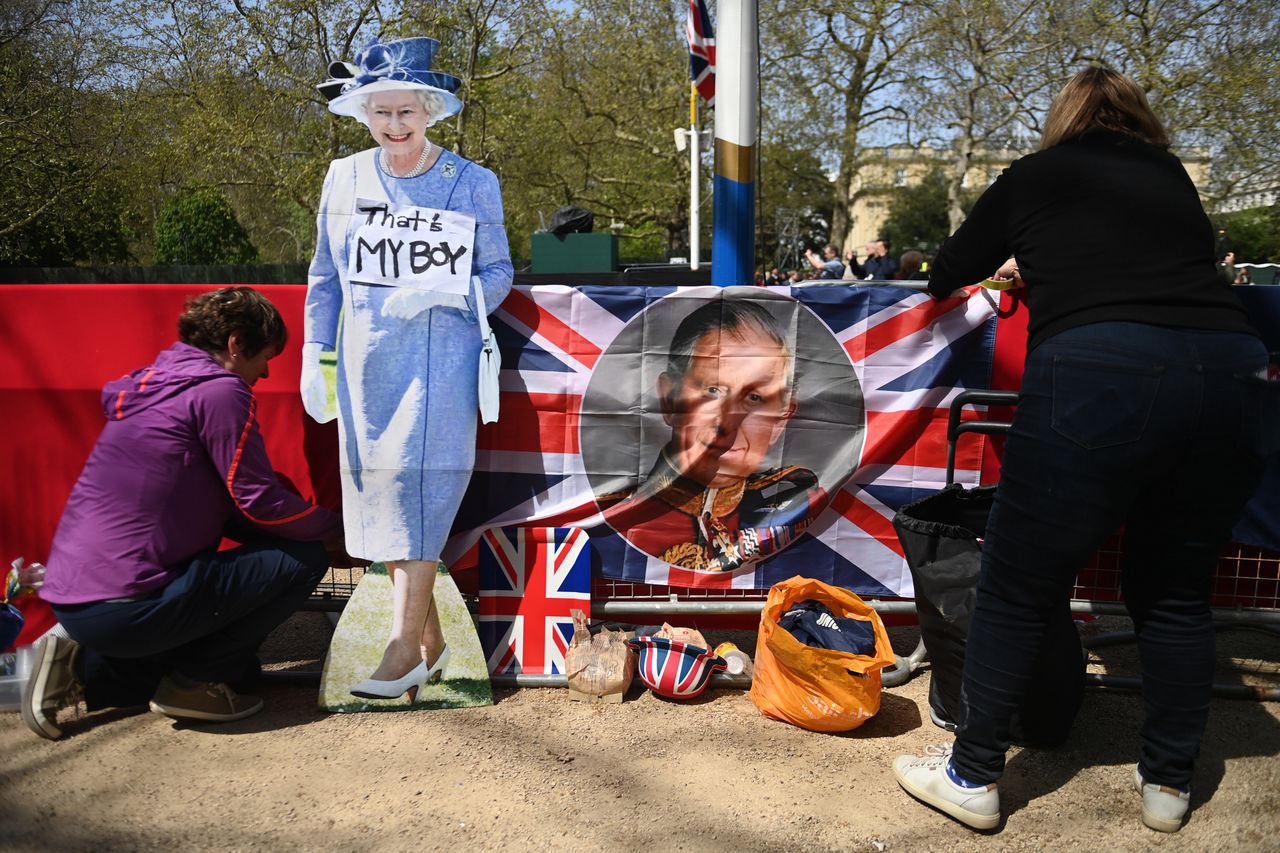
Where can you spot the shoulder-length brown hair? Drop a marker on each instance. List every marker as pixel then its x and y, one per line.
pixel 1100 99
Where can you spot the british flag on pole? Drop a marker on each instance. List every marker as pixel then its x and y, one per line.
pixel 582 414
pixel 702 50
pixel 531 578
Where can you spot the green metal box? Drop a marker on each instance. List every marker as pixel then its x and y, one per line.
pixel 589 252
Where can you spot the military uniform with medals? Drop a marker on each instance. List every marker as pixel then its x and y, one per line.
pixel 688 524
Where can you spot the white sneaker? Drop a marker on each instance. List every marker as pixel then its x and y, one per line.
pixel 1162 807
pixel 926 779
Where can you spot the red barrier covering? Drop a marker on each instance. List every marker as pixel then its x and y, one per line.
pixel 1006 371
pixel 59 344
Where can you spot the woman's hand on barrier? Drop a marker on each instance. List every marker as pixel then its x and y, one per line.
pixel 312 385
pixel 1008 277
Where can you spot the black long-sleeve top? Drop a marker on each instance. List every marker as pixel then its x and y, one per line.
pixel 1104 228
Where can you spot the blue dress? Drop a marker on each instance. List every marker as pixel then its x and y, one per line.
pixel 406 389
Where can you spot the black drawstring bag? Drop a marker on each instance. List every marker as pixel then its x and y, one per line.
pixel 941 536
pixel 572 220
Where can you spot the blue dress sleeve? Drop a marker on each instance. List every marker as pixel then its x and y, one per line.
pixel 493 256
pixel 324 288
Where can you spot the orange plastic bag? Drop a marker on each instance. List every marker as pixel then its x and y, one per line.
pixel 817 689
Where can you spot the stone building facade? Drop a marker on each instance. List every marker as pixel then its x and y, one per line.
pixel 885 169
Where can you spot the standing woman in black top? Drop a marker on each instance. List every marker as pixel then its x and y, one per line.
pixel 1132 413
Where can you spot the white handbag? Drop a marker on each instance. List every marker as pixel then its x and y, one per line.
pixel 490 359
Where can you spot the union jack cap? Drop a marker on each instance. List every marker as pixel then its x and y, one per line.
pixel 674 669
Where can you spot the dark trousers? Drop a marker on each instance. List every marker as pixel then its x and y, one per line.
pixel 1118 424
pixel 206 624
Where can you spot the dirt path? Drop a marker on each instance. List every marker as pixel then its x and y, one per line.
pixel 537 771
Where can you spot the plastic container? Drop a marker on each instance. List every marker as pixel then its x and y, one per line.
pixel 737 662
pixel 15 670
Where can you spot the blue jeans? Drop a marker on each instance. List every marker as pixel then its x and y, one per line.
pixel 1117 424
pixel 206 624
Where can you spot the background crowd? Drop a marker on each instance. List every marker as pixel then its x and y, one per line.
pixel 877 263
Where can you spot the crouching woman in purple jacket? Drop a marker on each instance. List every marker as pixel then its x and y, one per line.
pixel 148 609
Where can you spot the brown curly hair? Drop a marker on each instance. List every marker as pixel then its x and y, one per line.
pixel 211 318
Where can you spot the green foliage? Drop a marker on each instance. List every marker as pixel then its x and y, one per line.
pixel 1253 234
pixel 109 107
pixel 918 214
pixel 77 228
pixel 795 204
pixel 589 123
pixel 198 226
pixel 60 175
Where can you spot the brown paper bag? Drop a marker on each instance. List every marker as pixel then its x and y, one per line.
pixel 600 668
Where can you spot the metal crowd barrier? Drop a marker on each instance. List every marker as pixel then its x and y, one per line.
pixel 1246 590
pixel 1246 594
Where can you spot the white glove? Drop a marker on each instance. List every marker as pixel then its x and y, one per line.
pixel 405 303
pixel 315 391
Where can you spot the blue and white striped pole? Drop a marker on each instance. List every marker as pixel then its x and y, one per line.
pixel 733 238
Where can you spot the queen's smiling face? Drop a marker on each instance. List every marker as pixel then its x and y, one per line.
pixel 398 122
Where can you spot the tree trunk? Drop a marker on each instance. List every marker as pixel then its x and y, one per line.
pixel 963 159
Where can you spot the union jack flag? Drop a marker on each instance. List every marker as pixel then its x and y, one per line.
pixel 674 669
pixel 702 50
pixel 530 580
pixel 911 355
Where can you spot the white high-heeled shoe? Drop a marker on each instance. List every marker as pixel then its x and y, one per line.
pixel 415 679
pixel 435 672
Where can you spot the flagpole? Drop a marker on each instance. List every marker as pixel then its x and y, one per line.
pixel 695 191
pixel 733 221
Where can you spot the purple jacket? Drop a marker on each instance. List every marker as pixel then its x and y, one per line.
pixel 179 458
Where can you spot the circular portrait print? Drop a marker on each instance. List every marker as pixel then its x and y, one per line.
pixel 718 424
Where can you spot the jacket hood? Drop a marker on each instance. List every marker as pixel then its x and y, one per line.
pixel 176 370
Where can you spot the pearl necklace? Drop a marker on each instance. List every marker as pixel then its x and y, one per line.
pixel 412 173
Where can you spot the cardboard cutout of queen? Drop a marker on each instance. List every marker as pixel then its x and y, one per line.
pixel 406 232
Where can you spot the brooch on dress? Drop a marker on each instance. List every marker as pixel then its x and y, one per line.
pixel 448 169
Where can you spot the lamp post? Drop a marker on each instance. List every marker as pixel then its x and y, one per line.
pixel 692 139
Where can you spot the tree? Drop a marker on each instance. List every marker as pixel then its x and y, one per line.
pixel 839 67
pixel 982 74
pixel 109 107
pixel 795 203
pixel 919 215
pixel 198 226
pixel 221 94
pixel 1253 234
pixel 1209 69
pixel 85 227
pixel 61 156
pixel 590 124
pixel 484 43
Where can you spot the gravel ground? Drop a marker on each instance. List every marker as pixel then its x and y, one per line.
pixel 536 771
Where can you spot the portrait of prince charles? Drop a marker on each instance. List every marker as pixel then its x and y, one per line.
pixel 712 501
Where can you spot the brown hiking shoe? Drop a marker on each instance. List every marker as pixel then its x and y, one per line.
pixel 53 684
pixel 210 701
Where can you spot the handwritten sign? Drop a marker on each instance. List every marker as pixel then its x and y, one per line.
pixel 414 247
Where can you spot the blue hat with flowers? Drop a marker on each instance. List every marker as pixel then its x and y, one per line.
pixel 388 66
